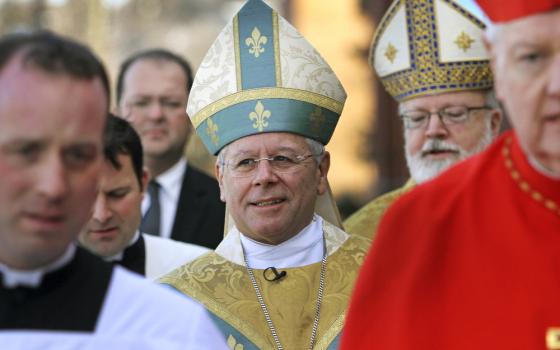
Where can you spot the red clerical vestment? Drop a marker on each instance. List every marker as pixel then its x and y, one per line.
pixel 468 261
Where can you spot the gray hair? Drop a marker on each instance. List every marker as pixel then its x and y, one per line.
pixel 491 100
pixel 220 160
pixel 315 147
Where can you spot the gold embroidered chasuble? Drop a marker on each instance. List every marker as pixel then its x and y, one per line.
pixel 219 280
pixel 364 222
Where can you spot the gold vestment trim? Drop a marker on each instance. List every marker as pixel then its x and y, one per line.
pixel 237 54
pixel 276 40
pixel 211 280
pixel 535 195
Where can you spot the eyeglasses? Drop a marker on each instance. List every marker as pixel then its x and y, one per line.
pixel 280 163
pixel 449 116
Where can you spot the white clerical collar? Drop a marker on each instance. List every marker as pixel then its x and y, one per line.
pixel 13 278
pixel 305 248
pixel 541 168
pixel 171 179
pixel 119 255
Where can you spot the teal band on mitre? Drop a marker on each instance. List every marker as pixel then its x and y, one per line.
pixel 257 38
pixel 266 93
pixel 267 115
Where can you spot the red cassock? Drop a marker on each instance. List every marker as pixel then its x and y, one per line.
pixel 470 260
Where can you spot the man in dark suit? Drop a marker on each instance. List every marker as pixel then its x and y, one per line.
pixel 183 203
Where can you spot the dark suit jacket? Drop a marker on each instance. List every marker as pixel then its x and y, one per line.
pixel 200 213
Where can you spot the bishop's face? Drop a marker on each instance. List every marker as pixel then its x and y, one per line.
pixel 267 204
pixel 526 62
pixel 436 146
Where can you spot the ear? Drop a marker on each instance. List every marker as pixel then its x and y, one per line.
pixel 145 179
pixel 220 177
pixel 190 126
pixel 496 121
pixel 323 170
pixel 123 111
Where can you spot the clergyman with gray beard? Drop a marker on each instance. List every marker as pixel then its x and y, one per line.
pixel 447 116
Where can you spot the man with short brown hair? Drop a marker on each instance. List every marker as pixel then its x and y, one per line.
pixel 182 202
pixel 54 100
pixel 112 231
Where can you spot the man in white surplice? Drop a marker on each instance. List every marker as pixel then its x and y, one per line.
pixel 53 294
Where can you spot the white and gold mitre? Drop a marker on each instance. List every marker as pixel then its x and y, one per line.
pixel 425 47
pixel 261 75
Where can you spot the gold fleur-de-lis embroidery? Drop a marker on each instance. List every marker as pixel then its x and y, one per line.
pixel 553 338
pixel 391 52
pixel 232 343
pixel 212 130
pixel 464 41
pixel 317 119
pixel 260 116
pixel 256 42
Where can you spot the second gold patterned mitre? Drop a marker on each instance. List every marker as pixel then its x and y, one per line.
pixel 425 47
pixel 261 75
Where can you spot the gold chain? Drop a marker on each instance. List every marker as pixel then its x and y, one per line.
pixel 317 306
pixel 523 184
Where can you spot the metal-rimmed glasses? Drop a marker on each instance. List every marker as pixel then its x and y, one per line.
pixel 282 163
pixel 451 115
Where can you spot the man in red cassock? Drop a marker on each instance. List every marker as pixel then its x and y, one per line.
pixel 471 260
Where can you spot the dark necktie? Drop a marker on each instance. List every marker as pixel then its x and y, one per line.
pixel 151 220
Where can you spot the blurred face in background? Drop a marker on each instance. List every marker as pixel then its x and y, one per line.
pixel 50 157
pixel 435 146
pixel 526 63
pixel 154 101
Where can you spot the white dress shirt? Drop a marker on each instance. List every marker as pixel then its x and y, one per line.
pixel 170 189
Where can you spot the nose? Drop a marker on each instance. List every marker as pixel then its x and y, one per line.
pixel 155 110
pixel 264 174
pixel 101 210
pixel 435 127
pixel 53 182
